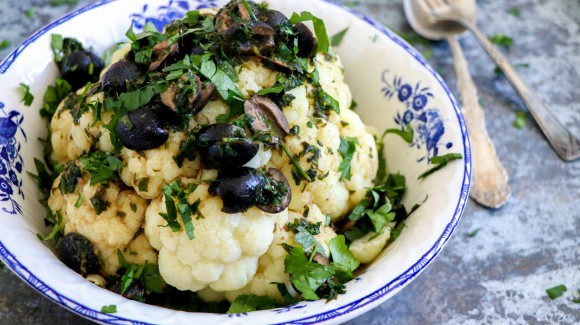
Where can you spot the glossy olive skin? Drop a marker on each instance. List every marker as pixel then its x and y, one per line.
pixel 238 188
pixel 224 146
pixel 307 43
pixel 135 291
pixel 76 69
pixel 229 155
pixel 276 177
pixel 142 129
pixel 78 253
pixel 118 75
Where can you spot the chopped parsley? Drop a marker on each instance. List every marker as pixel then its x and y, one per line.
pixel 338 37
pixel 4 44
pixel 174 192
pixel 79 201
pixel 54 220
pixel 347 150
pixel 30 13
pixel 250 302
pixel 53 96
pixel 514 11
pixel 407 135
pixel 102 166
pixel 501 40
pixel 556 291
pixel 27 97
pixel 56 3
pixel 440 162
pixel 319 28
pixel 147 274
pixel 520 120
pixel 473 233
pixel 109 309
pixel 304 234
pixel 306 276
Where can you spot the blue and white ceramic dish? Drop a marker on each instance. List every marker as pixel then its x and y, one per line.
pixel 392 84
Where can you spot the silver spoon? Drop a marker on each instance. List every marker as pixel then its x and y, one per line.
pixel 489 179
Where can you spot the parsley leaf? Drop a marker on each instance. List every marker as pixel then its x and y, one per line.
pixel 225 86
pixel 501 40
pixel 440 162
pixel 556 291
pixel 30 13
pixel 514 11
pixel 396 232
pixel 304 234
pixel 250 302
pixel 4 44
pixel 347 150
pixel 53 96
pixel 338 37
pixel 102 166
pixel 109 309
pixel 56 3
pixel 341 255
pixel 520 120
pixel 54 219
pixel 174 191
pixel 474 232
pixel 319 28
pixel 407 135
pixel 305 276
pixel 27 97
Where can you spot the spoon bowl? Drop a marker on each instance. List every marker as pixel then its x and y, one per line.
pixel 424 24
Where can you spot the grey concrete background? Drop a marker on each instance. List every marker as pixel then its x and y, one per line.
pixel 500 275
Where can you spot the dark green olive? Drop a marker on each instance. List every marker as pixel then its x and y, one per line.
pixel 239 188
pixel 142 129
pixel 78 253
pixel 307 43
pixel 119 75
pixel 80 67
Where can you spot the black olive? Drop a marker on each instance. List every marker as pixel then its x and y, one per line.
pixel 119 75
pixel 273 18
pixel 307 43
pixel 261 38
pixel 78 253
pixel 142 129
pixel 225 145
pixel 212 133
pixel 267 117
pixel 229 154
pixel 135 291
pixel 80 67
pixel 238 188
pixel 277 193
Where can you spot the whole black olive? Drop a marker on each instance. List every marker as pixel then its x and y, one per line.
pixel 142 129
pixel 119 75
pixel 212 133
pixel 80 67
pixel 135 291
pixel 229 154
pixel 273 18
pixel 238 188
pixel 78 253
pixel 277 194
pixel 307 43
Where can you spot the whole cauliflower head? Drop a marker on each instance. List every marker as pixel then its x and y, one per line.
pixel 225 250
pixel 109 216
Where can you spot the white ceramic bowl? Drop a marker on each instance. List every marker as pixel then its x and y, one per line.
pixel 392 84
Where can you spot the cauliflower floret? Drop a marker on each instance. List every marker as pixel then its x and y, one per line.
pixel 70 139
pixel 254 76
pixel 369 246
pixel 224 253
pixel 108 216
pixel 271 265
pixel 147 171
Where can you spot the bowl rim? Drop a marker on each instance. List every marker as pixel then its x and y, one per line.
pixel 367 302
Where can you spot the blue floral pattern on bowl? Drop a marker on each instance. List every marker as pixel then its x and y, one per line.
pixel 10 159
pixel 161 16
pixel 426 122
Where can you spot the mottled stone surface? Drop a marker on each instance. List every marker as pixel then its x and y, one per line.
pixel 500 275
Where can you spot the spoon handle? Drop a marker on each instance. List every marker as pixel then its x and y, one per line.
pixel 489 179
pixel 563 142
